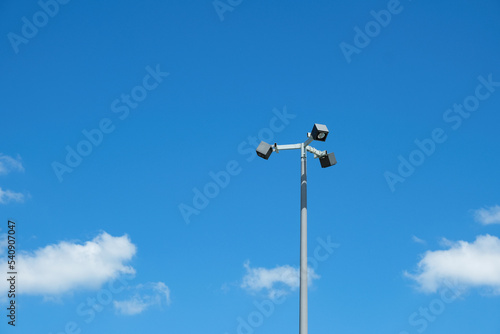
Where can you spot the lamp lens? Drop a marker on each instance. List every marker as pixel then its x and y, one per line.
pixel 321 135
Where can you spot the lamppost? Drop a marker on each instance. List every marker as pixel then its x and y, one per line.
pixel 264 150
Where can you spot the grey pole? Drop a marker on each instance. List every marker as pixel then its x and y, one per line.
pixel 264 150
pixel 303 242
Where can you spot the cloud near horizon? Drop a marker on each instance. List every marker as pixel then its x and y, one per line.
pixel 68 266
pixel 144 297
pixel 277 282
pixel 9 164
pixel 467 265
pixel 487 216
pixel 7 196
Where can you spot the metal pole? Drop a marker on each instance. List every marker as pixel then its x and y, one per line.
pixel 303 241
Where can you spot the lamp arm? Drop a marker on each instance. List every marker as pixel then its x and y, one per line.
pixel 317 153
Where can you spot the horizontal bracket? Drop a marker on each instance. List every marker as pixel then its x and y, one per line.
pixel 277 147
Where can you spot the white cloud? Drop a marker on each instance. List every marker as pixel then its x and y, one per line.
pixel 418 240
pixel 66 266
pixel 8 164
pixel 488 216
pixel 10 196
pixel 145 296
pixel 467 265
pixel 3 243
pixel 278 281
pixel 133 306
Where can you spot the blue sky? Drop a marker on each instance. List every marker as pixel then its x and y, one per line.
pixel 115 117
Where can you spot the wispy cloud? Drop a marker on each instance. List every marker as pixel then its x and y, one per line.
pixel 468 265
pixel 487 216
pixel 277 281
pixel 144 297
pixel 9 164
pixel 68 266
pixel 7 196
pixel 3 243
pixel 418 240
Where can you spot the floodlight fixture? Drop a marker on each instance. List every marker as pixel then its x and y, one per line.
pixel 264 150
pixel 328 160
pixel 319 132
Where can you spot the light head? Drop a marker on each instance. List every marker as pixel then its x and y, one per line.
pixel 328 160
pixel 319 132
pixel 264 150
